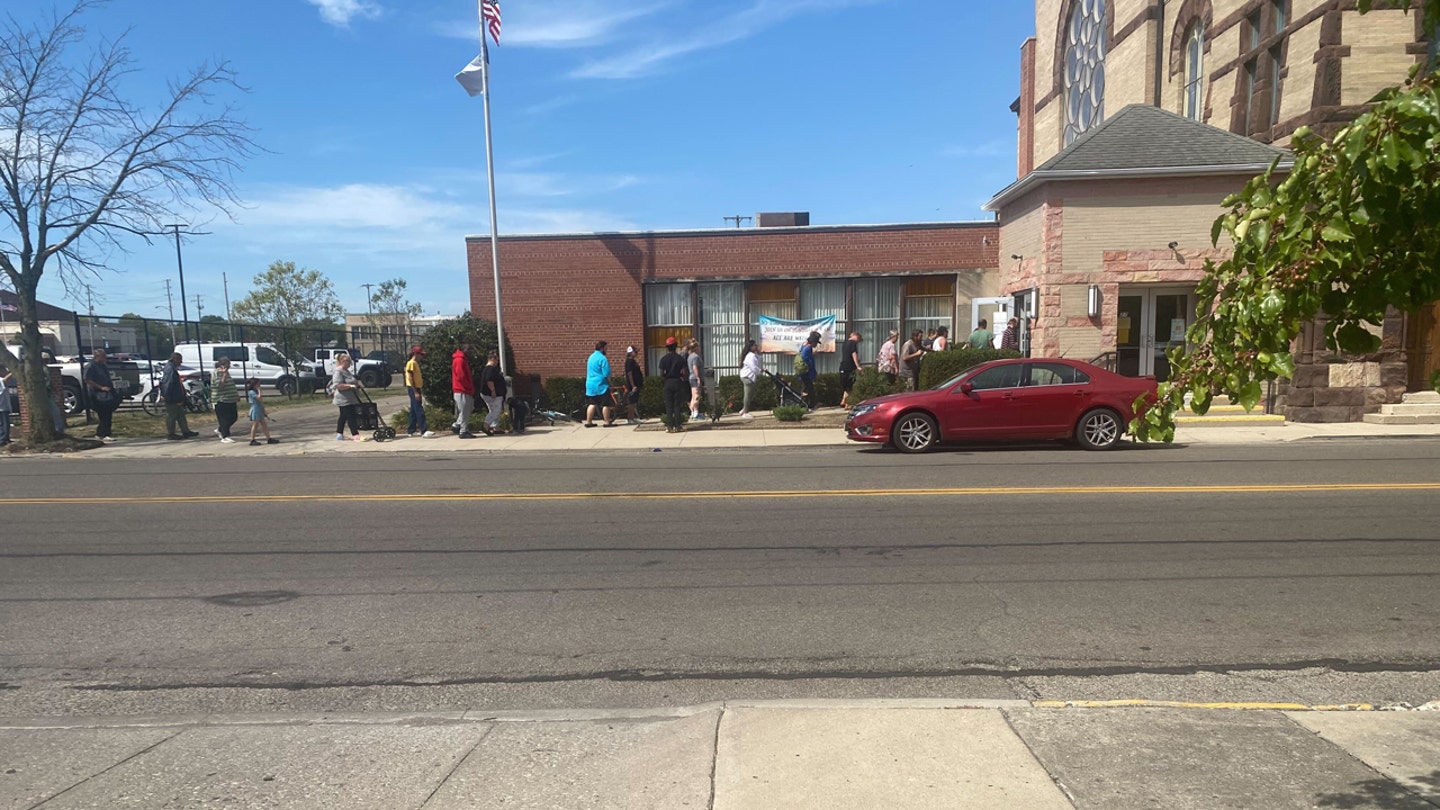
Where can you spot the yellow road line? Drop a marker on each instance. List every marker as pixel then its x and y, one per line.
pixel 1182 704
pixel 690 496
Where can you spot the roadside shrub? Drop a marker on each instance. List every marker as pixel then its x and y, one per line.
pixel 732 390
pixel 440 342
pixel 870 383
pixel 828 390
pixel 439 420
pixel 790 413
pixel 937 367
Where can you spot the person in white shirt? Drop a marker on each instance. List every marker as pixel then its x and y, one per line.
pixel 749 374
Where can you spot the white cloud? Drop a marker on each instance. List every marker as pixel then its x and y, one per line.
pixel 340 12
pixel 543 184
pixel 559 23
pixel 994 148
pixel 761 15
pixel 356 205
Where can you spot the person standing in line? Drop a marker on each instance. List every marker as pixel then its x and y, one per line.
pixel 172 391
pixel 101 390
pixel 5 379
pixel 942 339
pixel 807 377
pixel 259 419
pixel 982 338
pixel 1010 338
pixel 462 385
pixel 910 355
pixel 492 390
pixel 696 377
pixel 347 399
pixel 634 384
pixel 597 386
pixel 415 391
pixel 849 365
pixel 227 398
pixel 886 361
pixel 929 343
pixel 749 375
pixel 673 372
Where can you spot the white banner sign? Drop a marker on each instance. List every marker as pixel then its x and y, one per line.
pixel 786 337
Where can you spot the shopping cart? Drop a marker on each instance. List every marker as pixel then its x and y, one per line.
pixel 368 416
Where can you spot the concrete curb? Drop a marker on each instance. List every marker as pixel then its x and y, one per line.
pixel 468 716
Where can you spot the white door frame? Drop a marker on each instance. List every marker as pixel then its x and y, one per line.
pixel 1003 303
pixel 1147 295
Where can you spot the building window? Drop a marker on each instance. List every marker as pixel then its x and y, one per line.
pixel 775 299
pixel 1262 76
pixel 1195 71
pixel 668 313
pixel 722 325
pixel 876 306
pixel 821 298
pixel 929 304
pixel 1084 68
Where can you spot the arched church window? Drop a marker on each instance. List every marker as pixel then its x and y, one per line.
pixel 1084 68
pixel 1195 71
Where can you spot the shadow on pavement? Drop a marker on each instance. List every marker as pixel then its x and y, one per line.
pixel 1383 794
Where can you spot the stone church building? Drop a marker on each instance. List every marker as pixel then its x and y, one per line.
pixel 1135 119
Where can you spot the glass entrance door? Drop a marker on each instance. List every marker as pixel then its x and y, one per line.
pixel 1151 321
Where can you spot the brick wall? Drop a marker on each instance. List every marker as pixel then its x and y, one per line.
pixel 562 293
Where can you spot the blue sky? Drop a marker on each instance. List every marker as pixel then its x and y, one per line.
pixel 607 115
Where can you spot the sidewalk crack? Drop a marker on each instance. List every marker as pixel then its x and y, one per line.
pixel 456 767
pixel 715 759
pixel 142 752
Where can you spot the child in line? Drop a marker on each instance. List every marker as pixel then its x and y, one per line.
pixel 258 417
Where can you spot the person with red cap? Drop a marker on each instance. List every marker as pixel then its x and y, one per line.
pixel 677 387
pixel 414 388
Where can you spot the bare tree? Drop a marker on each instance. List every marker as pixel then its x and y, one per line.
pixel 391 308
pixel 82 168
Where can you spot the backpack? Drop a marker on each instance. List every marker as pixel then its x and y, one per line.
pixel 801 367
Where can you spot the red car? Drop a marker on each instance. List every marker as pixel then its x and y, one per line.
pixel 1025 398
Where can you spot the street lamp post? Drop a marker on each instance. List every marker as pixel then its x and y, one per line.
pixel 370 315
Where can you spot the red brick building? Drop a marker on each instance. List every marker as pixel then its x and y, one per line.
pixel 563 292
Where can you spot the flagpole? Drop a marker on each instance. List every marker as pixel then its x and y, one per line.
pixel 490 170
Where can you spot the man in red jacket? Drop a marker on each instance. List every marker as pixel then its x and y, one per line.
pixel 463 386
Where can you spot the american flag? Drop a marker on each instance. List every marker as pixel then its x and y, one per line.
pixel 490 15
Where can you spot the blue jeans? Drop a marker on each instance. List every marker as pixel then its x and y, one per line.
pixel 417 412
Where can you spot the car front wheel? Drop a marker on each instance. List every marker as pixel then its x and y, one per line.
pixel 914 433
pixel 1099 429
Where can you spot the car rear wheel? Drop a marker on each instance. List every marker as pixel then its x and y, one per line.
pixel 914 433
pixel 370 378
pixel 1099 429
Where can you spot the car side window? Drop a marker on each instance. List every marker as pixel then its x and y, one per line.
pixel 1007 376
pixel 1055 374
pixel 235 354
pixel 268 356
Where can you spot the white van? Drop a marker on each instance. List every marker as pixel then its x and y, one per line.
pixel 259 360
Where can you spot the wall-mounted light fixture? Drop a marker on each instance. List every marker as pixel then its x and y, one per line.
pixel 1016 256
pixel 1092 307
pixel 1174 245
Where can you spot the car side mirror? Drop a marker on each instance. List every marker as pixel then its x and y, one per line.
pixel 966 388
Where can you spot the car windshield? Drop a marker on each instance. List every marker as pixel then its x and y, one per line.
pixel 957 378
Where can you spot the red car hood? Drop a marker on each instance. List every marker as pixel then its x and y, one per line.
pixel 896 397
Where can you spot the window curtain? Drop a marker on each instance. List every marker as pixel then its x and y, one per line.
pixel 820 298
pixel 722 325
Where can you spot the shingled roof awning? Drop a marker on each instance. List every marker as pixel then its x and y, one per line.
pixel 1146 141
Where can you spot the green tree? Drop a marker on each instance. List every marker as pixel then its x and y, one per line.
pixel 289 297
pixel 83 168
pixel 1351 230
pixel 390 307
pixel 214 329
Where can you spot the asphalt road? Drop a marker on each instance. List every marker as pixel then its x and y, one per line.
pixel 1303 571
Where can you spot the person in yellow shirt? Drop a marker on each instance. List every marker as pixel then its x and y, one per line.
pixel 414 388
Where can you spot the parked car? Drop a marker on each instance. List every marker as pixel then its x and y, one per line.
pixel 263 361
pixel 372 373
pixel 1026 398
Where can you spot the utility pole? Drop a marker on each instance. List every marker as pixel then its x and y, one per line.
pixel 90 302
pixel 184 310
pixel 370 309
pixel 229 324
pixel 199 317
pixel 170 303
pixel 737 219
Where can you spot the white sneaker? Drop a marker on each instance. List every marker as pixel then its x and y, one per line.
pixel 217 432
pixel 429 434
pixel 108 439
pixel 226 440
pixel 747 416
pixel 694 414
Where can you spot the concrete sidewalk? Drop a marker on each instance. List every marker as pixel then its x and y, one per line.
pixel 737 756
pixel 764 431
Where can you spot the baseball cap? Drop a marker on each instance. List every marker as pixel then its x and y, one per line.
pixel 629 349
pixel 670 341
pixel 416 350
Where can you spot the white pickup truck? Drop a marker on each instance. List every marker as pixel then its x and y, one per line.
pixel 372 373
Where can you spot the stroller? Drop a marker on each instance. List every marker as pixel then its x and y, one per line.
pixel 368 417
pixel 784 394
